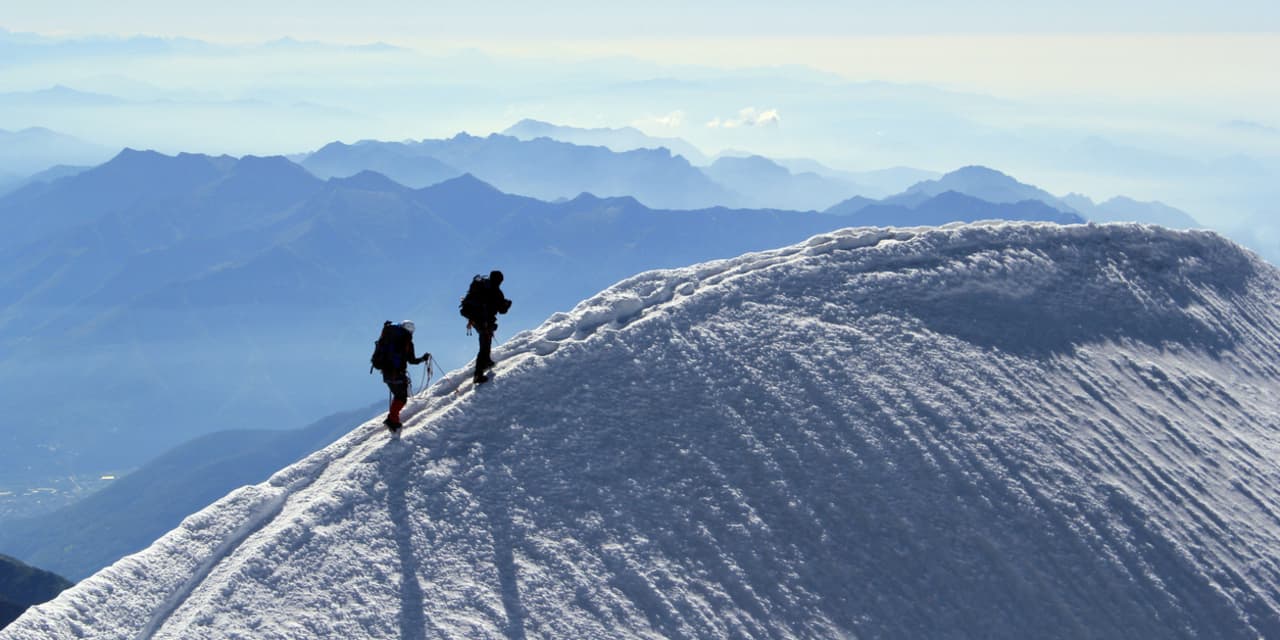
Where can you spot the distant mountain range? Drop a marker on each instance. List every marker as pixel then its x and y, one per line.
pixel 26 152
pixel 542 162
pixel 739 175
pixel 950 206
pixel 540 168
pixel 877 183
pixel 17 46
pixel 552 162
pixel 22 586
pixel 979 182
pixel 973 192
pixel 619 139
pixel 767 183
pixel 1122 209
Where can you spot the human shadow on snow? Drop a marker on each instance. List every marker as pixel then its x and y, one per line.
pixel 412 618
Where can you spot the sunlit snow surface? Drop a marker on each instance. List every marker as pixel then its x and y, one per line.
pixel 976 431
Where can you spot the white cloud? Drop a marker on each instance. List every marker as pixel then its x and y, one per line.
pixel 673 120
pixel 748 117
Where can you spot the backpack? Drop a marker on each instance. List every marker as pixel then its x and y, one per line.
pixel 472 305
pixel 388 351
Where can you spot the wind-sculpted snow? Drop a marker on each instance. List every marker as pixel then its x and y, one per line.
pixel 984 431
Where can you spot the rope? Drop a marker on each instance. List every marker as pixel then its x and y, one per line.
pixel 426 374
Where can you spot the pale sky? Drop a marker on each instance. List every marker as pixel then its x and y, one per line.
pixel 399 20
pixel 1150 49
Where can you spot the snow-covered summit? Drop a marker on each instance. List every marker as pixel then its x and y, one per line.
pixel 1011 430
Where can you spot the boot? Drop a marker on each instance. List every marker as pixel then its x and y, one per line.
pixel 393 414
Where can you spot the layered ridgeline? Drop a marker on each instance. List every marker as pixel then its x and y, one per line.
pixel 1017 430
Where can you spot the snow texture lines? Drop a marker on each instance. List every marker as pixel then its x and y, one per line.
pixel 998 430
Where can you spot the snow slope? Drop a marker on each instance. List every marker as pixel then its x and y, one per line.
pixel 1007 430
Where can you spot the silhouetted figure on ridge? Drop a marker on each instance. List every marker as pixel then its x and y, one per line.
pixel 481 306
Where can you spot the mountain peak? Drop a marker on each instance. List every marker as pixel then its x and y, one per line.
pixel 166 172
pixel 368 181
pixel 266 179
pixel 129 154
pixel 983 183
pixel 753 163
pixel 461 187
pixel 784 444
pixel 267 163
pixel 978 172
pixel 529 126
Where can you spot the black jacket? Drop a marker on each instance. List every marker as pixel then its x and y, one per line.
pixel 492 303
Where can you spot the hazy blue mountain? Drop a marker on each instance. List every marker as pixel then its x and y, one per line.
pixel 114 231
pixel 951 206
pixel 22 585
pixel 392 159
pixel 1122 209
pixel 892 180
pixel 36 149
pixel 619 139
pixel 851 206
pixel 30 46
pixel 537 162
pixel 877 183
pixel 1104 156
pixel 59 96
pixel 56 172
pixel 132 180
pixel 372 227
pixel 765 183
pixel 132 512
pixel 17 47
pixel 979 182
pixel 1251 127
pixel 542 168
pixel 314 46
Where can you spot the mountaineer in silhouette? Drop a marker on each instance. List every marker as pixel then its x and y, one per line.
pixel 392 355
pixel 481 306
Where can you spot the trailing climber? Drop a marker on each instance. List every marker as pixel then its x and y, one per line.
pixel 392 355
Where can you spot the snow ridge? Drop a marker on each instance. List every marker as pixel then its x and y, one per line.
pixel 998 430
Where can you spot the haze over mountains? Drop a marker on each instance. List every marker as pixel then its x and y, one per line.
pixel 283 96
pixel 552 169
pixel 28 152
pixel 540 168
pixel 617 139
pixel 994 430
